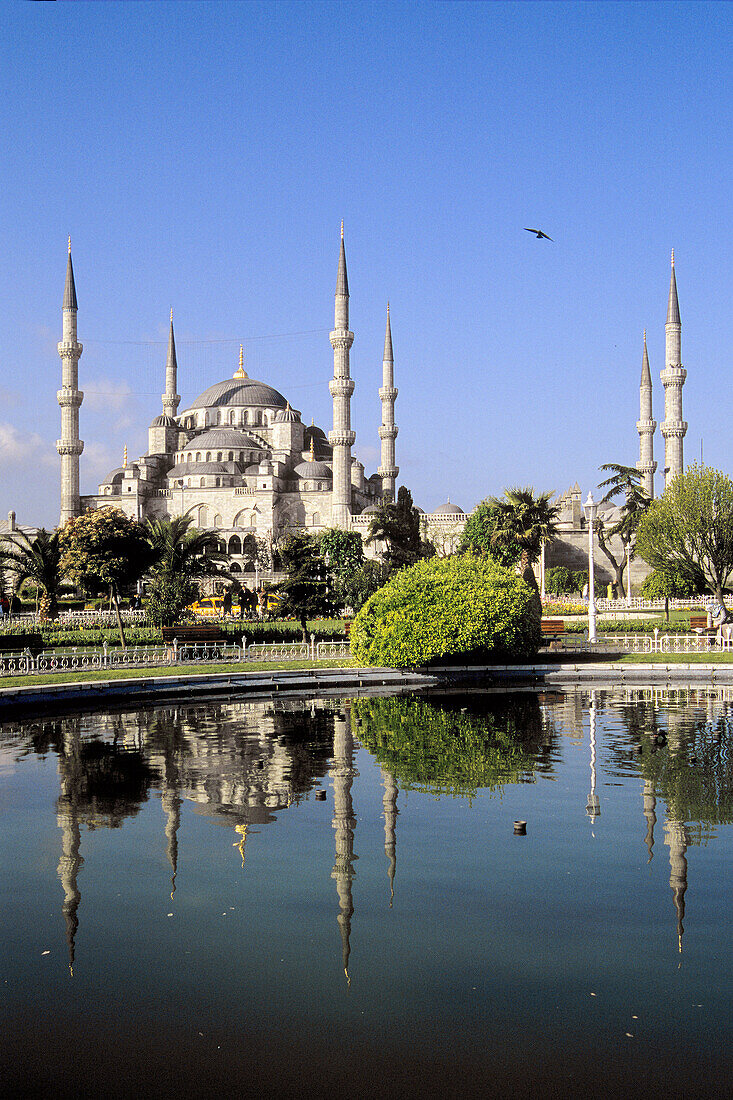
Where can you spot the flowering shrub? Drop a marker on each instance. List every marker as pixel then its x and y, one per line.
pixel 464 605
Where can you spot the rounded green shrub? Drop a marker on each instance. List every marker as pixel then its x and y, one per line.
pixel 465 606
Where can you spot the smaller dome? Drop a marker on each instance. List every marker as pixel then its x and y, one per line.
pixel 287 416
pixel 163 421
pixel 371 510
pixel 252 469
pixel 451 509
pixel 355 462
pixel 313 469
pixel 183 468
pixel 222 438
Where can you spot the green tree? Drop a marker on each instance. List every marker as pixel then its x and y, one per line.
pixel 363 583
pixel 306 591
pixel 181 557
pixel 667 584
pixel 104 548
pixel 464 606
pixel 398 527
pixel 626 480
pixel 561 581
pixel 38 560
pixel 522 522
pixel 690 529
pixel 480 535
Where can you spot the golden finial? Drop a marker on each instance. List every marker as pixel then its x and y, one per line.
pixel 171 314
pixel 644 335
pixel 388 309
pixel 240 373
pixel 672 257
pixel 342 229
pixel 69 243
pixel 312 455
pixel 124 456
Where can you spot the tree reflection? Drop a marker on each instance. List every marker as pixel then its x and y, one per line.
pixel 445 748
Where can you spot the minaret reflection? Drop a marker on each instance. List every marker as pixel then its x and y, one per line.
pixel 593 808
pixel 675 835
pixel 241 844
pixel 389 803
pixel 67 817
pixel 344 823
pixel 650 805
pixel 171 802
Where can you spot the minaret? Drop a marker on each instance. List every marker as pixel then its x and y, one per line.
pixel 673 378
pixel 341 387
pixel 68 820
pixel 171 399
pixel 646 426
pixel 388 432
pixel 69 398
pixel 675 836
pixel 650 805
pixel 389 805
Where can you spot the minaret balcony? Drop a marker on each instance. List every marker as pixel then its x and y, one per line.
pixel 341 387
pixel 388 471
pixel 69 446
pixel 673 375
pixel 388 393
pixel 69 350
pixel 341 338
pixel 341 437
pixel 646 426
pixel 69 398
pixel 646 467
pixel 388 432
pixel 673 428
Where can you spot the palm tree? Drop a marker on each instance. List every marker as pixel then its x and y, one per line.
pixel 183 556
pixel 397 525
pixel 626 480
pixel 35 559
pixel 524 520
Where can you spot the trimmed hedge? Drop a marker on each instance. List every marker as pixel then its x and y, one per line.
pixel 56 636
pixel 462 606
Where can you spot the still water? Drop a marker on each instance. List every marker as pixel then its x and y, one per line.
pixel 182 914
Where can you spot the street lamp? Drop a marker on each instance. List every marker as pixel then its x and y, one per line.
pixel 628 573
pixel 591 508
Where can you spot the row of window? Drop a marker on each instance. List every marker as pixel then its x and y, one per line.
pixel 231 418
pixel 242 519
pixel 219 456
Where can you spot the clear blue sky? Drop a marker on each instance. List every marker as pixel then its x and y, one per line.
pixel 202 156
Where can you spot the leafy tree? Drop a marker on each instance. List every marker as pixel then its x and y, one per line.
pixel 690 529
pixel 38 560
pixel 181 556
pixel 306 591
pixel 626 480
pixel 104 548
pixel 465 605
pixel 398 527
pixel 356 589
pixel 561 581
pixel 667 584
pixel 342 551
pixel 480 535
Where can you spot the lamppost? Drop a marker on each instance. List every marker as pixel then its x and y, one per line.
pixel 542 570
pixel 628 573
pixel 591 508
pixel 593 807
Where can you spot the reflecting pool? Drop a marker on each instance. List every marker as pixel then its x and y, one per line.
pixel 298 897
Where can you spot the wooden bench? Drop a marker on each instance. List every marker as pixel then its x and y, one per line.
pixel 553 629
pixel 194 632
pixel 19 643
pixel 699 624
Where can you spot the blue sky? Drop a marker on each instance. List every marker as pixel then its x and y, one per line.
pixel 202 156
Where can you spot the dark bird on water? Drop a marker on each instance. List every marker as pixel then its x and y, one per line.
pixel 538 232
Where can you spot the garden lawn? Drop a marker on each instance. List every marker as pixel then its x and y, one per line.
pixel 675 659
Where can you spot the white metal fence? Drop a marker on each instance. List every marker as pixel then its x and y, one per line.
pixel 637 603
pixel 183 653
pixel 670 643
pixel 78 618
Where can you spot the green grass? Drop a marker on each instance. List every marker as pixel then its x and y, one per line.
pixel 151 672
pixel 675 659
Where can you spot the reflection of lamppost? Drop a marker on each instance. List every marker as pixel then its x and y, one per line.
pixel 593 808
pixel 591 508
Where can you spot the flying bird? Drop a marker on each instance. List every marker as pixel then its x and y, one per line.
pixel 539 233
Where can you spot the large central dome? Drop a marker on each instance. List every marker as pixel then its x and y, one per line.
pixel 238 392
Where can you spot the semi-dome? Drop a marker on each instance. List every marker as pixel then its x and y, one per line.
pixel 163 421
pixel 182 469
pixel 221 437
pixel 119 472
pixel 451 509
pixel 371 510
pixel 239 392
pixel 313 469
pixel 287 416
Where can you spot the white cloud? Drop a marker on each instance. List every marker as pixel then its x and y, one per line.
pixel 18 448
pixel 107 394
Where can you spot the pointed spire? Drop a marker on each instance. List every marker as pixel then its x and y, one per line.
pixel 646 377
pixel 673 307
pixel 240 373
pixel 124 456
pixel 388 356
pixel 342 281
pixel 69 288
pixel 312 455
pixel 171 361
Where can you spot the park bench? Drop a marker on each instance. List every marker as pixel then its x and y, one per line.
pixel 699 625
pixel 19 643
pixel 553 629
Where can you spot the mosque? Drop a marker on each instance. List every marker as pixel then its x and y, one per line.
pixel 241 461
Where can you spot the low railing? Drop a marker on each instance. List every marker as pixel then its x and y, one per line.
pixel 177 653
pixel 638 603
pixel 669 643
pixel 76 618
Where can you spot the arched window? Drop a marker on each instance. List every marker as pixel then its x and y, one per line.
pixel 253 520
pixel 232 414
pixel 218 482
pixel 234 568
pixel 203 516
pixel 245 417
pixel 231 456
pixel 239 519
pixel 316 519
pixel 202 482
pixel 235 545
pixel 218 456
pixel 217 523
pixel 189 456
pixel 198 456
pixel 208 456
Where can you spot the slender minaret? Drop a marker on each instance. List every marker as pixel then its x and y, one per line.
pixel 68 820
pixel 343 773
pixel 69 398
pixel 646 426
pixel 673 378
pixel 341 387
pixel 388 431
pixel 171 399
pixel 389 805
